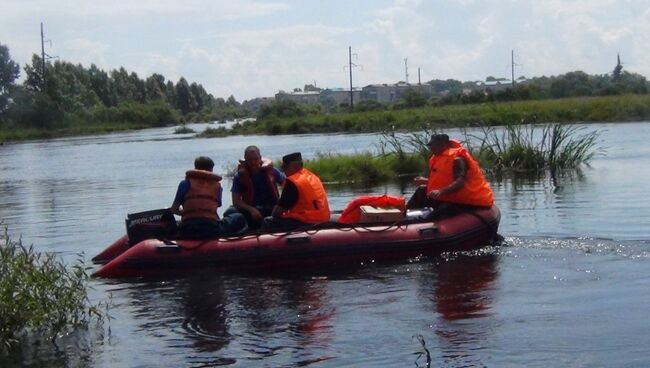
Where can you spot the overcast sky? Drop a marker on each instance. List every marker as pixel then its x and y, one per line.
pixel 253 48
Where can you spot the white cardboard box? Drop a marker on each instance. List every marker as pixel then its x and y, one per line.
pixel 380 214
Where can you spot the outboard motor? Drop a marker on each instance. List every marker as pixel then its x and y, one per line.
pixel 154 224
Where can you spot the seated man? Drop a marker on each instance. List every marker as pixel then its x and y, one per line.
pixel 303 200
pixel 455 182
pixel 254 187
pixel 197 200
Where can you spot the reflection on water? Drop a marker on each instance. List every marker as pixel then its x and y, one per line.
pixel 309 319
pixel 577 256
pixel 461 289
pixel 464 286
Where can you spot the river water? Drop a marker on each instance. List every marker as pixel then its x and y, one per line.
pixel 570 288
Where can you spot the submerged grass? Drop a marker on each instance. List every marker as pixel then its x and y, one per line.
pixel 39 295
pixel 534 147
pixel 517 148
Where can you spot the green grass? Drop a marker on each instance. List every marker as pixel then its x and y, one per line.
pixel 517 148
pixel 363 168
pixel 40 295
pixel 534 148
pixel 582 109
pixel 183 129
pixel 133 116
pixel 20 134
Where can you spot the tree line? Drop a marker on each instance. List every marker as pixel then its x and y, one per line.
pixel 455 92
pixel 63 95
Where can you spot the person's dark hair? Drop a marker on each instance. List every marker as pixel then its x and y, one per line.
pixel 438 138
pixel 203 163
pixel 252 148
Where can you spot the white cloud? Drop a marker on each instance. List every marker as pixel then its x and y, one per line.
pixel 88 51
pixel 252 47
pixel 199 9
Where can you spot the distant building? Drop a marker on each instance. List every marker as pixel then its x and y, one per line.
pixel 391 93
pixel 382 93
pixel 339 95
pixel 493 85
pixel 309 97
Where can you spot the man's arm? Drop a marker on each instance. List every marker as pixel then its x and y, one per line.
pixel 460 172
pixel 238 199
pixel 183 187
pixel 239 203
pixel 279 176
pixel 288 199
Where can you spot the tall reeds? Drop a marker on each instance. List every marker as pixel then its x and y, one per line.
pixel 518 148
pixel 535 147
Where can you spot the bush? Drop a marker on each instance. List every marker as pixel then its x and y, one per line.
pixel 39 295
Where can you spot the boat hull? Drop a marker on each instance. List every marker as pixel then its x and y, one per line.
pixel 326 247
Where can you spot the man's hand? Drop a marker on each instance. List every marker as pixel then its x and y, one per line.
pixel 256 214
pixel 420 180
pixel 434 194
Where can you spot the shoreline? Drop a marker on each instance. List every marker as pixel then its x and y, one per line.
pixel 619 108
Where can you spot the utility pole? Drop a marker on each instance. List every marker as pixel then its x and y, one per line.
pixel 44 56
pixel 512 61
pixel 350 66
pixel 419 80
pixel 406 70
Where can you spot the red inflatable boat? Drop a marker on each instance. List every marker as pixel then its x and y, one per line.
pixel 328 245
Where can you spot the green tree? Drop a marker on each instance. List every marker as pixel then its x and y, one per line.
pixel 616 74
pixel 571 84
pixel 9 72
pixel 101 84
pixel 184 99
pixel 413 98
pixel 155 88
pixel 232 102
pixel 201 97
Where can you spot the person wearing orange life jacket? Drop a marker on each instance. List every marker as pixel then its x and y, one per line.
pixel 455 183
pixel 254 187
pixel 196 201
pixel 303 200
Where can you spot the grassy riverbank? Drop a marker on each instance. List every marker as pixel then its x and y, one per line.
pixel 518 149
pixel 579 109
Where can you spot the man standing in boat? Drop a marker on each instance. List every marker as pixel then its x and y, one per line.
pixel 303 200
pixel 455 183
pixel 254 187
pixel 197 200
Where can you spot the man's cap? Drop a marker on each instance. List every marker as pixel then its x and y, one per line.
pixel 292 157
pixel 438 138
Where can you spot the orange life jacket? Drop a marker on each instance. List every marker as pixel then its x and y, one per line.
pixel 312 206
pixel 476 190
pixel 245 178
pixel 352 212
pixel 202 200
